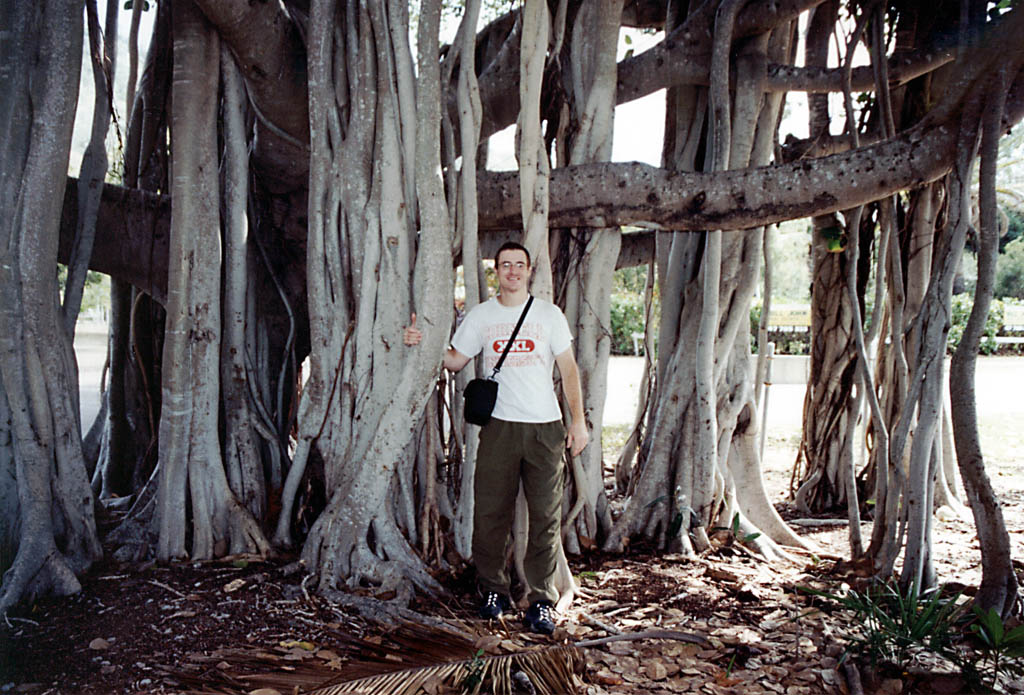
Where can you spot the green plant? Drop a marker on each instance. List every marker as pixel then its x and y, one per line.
pixel 734 532
pixel 1010 270
pixel 1014 230
pixel 1004 649
pixel 962 304
pixel 627 317
pixel 475 675
pixel 95 294
pixel 631 280
pixel 891 625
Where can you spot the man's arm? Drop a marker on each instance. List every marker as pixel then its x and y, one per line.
pixel 578 436
pixel 454 360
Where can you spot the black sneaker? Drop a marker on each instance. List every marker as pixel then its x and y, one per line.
pixel 494 604
pixel 540 618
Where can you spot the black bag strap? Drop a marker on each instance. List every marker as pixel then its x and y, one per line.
pixel 515 332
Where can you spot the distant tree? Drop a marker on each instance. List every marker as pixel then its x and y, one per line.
pixel 1010 270
pixel 1014 227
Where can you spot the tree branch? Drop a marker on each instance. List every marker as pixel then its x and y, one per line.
pixel 131 236
pixel 131 232
pixel 607 195
pixel 684 56
pixel 270 54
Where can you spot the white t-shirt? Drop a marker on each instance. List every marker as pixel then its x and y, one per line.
pixel 526 391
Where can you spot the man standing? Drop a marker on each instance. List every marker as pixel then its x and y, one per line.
pixel 525 439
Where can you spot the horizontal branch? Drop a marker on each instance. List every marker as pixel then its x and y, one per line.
pixel 132 229
pixel 902 69
pixel 682 57
pixel 615 194
pixel 132 232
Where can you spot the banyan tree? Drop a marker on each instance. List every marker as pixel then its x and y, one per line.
pixel 301 176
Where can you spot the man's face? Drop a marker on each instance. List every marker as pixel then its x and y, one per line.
pixel 513 270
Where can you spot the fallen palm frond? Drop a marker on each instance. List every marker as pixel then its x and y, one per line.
pixel 550 671
pixel 411 659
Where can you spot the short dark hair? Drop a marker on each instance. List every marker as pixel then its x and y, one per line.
pixel 512 246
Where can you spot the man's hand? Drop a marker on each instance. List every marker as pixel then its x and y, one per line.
pixel 577 437
pixel 412 335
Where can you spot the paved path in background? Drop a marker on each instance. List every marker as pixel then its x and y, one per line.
pixel 91 350
pixel 999 381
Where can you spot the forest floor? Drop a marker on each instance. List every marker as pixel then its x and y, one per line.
pixel 244 625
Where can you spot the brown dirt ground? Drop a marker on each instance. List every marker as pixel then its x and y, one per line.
pixel 188 627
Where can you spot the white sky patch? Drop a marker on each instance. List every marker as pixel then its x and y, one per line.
pixel 639 125
pixel 87 92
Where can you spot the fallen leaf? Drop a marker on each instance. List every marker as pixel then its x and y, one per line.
pixel 488 643
pixel 656 671
pixel 722 575
pixel 234 585
pixel 722 679
pixel 634 677
pixel 432 685
pixel 605 677
pixel 621 648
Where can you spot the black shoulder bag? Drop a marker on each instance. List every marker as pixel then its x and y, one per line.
pixel 481 394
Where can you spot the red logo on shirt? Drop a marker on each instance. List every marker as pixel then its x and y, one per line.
pixel 520 345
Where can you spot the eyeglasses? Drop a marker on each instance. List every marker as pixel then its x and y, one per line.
pixel 509 265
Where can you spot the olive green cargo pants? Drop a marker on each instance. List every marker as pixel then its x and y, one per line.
pixel 511 452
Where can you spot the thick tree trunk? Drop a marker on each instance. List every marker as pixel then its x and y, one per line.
pixel 128 449
pixel 832 375
pixel 828 401
pixel 677 495
pixel 192 474
pixel 366 391
pixel 467 229
pixel 38 380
